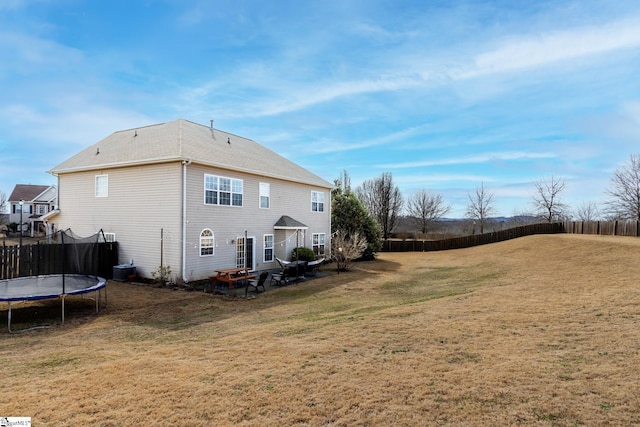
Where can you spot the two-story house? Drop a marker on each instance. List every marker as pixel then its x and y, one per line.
pixel 193 198
pixel 29 203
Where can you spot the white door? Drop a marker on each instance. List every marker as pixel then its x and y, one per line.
pixel 245 253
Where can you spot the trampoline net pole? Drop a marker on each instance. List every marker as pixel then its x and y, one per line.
pixel 9 318
pixel 64 260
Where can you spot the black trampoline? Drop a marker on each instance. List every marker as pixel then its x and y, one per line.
pixel 71 272
pixel 50 287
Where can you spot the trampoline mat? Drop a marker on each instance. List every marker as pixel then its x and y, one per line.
pixel 47 287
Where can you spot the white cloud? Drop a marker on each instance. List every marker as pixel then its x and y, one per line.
pixel 369 30
pixel 278 94
pixel 64 132
pixel 17 4
pixel 28 55
pixel 482 158
pixel 420 180
pixel 340 146
pixel 300 97
pixel 522 53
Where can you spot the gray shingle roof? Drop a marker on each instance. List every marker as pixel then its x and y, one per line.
pixel 26 192
pixel 185 140
pixel 286 222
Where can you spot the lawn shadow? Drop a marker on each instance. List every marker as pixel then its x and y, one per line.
pixel 178 309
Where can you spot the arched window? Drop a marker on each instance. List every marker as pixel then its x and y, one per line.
pixel 206 242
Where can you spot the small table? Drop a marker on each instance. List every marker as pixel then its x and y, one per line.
pixel 231 276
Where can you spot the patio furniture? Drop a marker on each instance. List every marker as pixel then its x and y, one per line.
pixel 282 263
pixel 257 283
pixel 230 277
pixel 291 272
pixel 313 267
pixel 280 278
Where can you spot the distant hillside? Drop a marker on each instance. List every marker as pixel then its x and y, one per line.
pixel 452 227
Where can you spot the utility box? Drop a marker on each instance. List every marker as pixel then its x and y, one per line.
pixel 122 272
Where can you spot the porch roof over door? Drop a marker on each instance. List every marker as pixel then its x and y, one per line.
pixel 287 223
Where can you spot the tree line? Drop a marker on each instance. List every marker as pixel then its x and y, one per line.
pixel 372 211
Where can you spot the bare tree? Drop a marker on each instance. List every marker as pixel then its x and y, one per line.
pixel 346 247
pixel 343 182
pixel 424 208
pixel 546 199
pixel 383 200
pixel 3 201
pixel 587 211
pixel 480 207
pixel 625 191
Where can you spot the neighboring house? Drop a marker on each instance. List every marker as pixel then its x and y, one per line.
pixel 37 201
pixel 193 198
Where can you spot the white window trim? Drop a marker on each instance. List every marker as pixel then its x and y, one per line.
pixel 218 191
pixel 213 242
pixel 313 235
pixel 99 189
pixel 264 188
pixel 318 195
pixel 265 247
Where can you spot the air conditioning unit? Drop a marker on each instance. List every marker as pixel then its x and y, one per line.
pixel 122 272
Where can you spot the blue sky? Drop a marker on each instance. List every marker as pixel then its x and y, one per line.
pixel 446 95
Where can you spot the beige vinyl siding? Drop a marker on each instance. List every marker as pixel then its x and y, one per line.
pixel 230 222
pixel 142 200
pixel 145 194
pixel 48 195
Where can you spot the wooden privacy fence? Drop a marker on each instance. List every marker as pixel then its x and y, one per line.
pixel 79 258
pixel 606 228
pixel 472 240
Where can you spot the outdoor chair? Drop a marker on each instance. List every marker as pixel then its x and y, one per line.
pixel 298 269
pixel 255 284
pixel 313 267
pixel 291 271
pixel 283 264
pixel 288 274
pixel 279 278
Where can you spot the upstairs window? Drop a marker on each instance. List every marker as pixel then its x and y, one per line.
pixel 102 185
pixel 265 195
pixel 42 209
pixel 317 201
pixel 219 190
pixel 206 242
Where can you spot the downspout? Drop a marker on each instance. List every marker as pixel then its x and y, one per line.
pixel 185 163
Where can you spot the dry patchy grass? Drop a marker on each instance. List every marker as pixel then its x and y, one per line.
pixel 543 330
